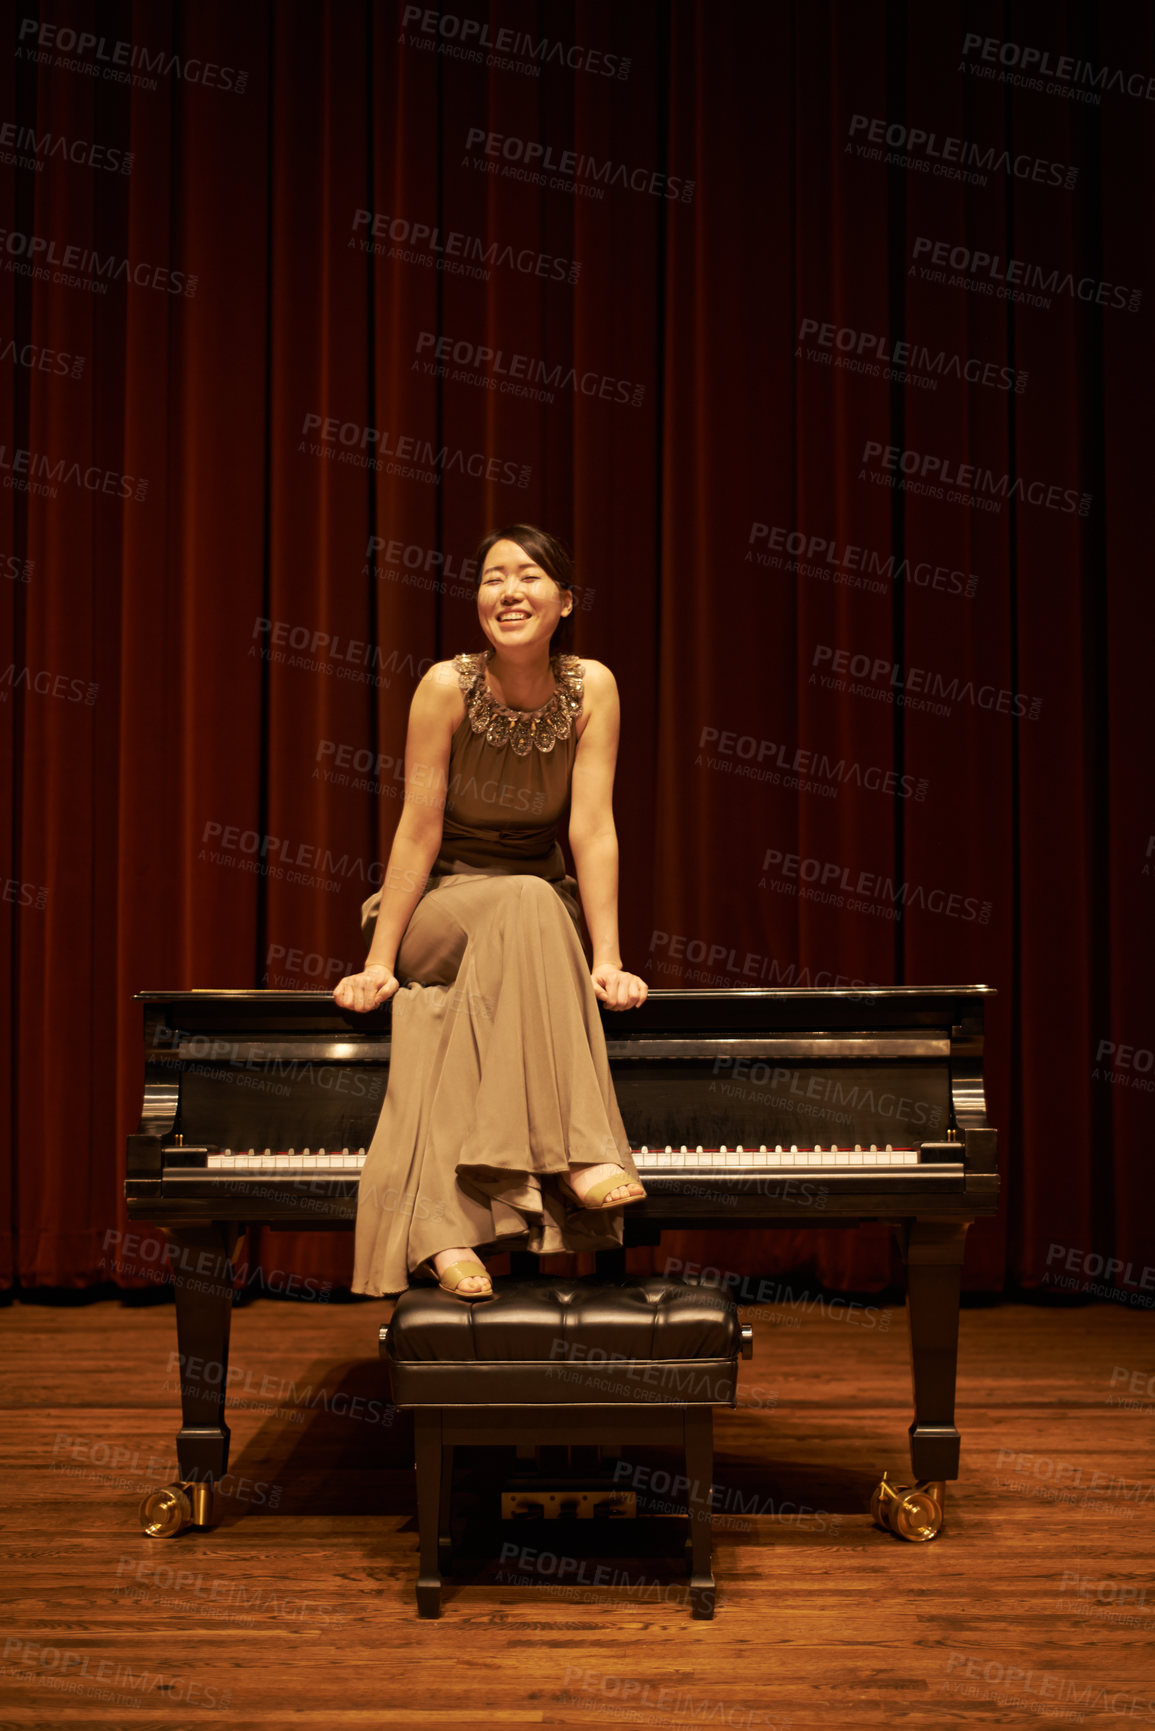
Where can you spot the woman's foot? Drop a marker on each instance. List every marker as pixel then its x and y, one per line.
pixel 580 1180
pixel 469 1285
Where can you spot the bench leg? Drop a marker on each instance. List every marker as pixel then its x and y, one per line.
pixel 699 1433
pixel 429 1453
pixel 445 1515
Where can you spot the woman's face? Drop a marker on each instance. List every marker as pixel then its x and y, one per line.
pixel 518 602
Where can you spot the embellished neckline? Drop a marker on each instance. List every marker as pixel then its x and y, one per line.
pixel 523 729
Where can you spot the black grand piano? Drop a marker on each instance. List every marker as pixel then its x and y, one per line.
pixel 745 1108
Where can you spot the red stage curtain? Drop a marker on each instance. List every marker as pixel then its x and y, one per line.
pixel 212 600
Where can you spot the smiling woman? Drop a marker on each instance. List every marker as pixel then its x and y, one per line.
pixel 500 1127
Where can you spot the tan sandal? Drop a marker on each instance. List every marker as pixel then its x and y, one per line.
pixel 465 1271
pixel 595 1197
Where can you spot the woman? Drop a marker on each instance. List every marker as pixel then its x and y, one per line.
pixel 500 1127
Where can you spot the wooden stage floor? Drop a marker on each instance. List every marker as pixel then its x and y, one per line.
pixel 1036 1602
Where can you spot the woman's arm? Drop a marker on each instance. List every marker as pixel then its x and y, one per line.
pixel 433 714
pixel 593 839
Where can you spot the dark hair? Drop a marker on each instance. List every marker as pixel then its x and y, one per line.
pixel 548 552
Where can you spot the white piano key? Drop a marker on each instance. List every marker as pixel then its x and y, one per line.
pixel 310 1162
pixel 212 1161
pixel 265 1162
pixel 297 1162
pixel 359 1158
pixel 856 1158
pixel 841 1157
pixel 748 1160
pixel 281 1162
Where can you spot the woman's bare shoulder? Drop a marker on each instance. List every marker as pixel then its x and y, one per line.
pixel 596 675
pixel 439 689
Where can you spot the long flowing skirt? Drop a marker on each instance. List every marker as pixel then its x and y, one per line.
pixel 498 1081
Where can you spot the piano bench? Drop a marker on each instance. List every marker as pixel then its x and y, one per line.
pixel 542 1361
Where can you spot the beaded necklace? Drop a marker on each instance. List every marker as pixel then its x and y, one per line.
pixel 523 729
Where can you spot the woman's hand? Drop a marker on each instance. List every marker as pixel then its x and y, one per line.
pixel 367 990
pixel 617 989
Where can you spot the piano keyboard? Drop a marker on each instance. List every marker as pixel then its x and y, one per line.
pixel 249 1160
pixel 775 1159
pixel 347 1161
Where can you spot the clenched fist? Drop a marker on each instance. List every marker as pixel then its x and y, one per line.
pixel 367 990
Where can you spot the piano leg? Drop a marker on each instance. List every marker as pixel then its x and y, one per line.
pixel 933 1253
pixel 202 1272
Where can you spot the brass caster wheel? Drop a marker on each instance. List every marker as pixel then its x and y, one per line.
pixel 913 1512
pixel 167 1512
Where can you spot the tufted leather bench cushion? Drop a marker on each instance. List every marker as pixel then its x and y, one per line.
pixel 551 1342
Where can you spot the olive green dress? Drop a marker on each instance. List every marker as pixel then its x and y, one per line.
pixel 498 1074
